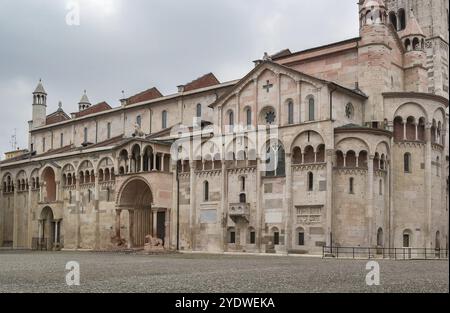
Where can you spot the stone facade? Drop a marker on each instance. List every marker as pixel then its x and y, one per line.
pixel 356 133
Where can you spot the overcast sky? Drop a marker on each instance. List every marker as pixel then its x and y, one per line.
pixel 133 45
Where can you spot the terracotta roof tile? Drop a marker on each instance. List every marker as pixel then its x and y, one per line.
pixel 56 117
pixel 202 82
pixel 100 107
pixel 149 94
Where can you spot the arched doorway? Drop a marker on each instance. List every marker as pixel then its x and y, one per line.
pixel 49 230
pixel 136 197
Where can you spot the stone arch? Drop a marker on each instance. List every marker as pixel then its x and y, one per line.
pixel 136 196
pixel 393 19
pixel 46 228
pixel 307 138
pixel 48 176
pixel 353 143
pixel 268 115
pixel 411 109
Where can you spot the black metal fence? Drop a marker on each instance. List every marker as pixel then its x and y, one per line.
pixel 384 253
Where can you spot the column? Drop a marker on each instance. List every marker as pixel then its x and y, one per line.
pixel 357 161
pixel 345 159
pixel 162 162
pixel 141 158
pixel 118 212
pixel 130 164
pixel 224 204
pixel 417 131
pixel 329 199
pixel 192 204
pixel 428 179
pixel 130 228
pixel 56 234
pixel 288 203
pixel 259 211
pixel 369 212
pixel 97 211
pixel 16 218
pixel 77 210
pixel 404 130
pixel 58 189
pixel 174 211
pixel 155 224
pixel 154 161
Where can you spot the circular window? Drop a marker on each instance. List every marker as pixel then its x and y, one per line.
pixel 349 111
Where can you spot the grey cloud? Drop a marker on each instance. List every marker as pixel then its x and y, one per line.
pixel 159 43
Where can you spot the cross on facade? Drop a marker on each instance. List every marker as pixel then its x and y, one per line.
pixel 268 86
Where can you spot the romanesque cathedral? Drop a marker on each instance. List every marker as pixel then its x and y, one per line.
pixel 342 145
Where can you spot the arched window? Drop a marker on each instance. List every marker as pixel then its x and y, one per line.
pixel 275 160
pixel 352 185
pixel 407 45
pixel 310 181
pixel 139 120
pixel 393 19
pixel 311 109
pixel 242 183
pixel 416 43
pixel 290 109
pixel 199 110
pixel 206 191
pixel 231 119
pixel 407 162
pixel 402 19
pixel 248 114
pixel 164 119
pixel 85 136
pixel 380 237
pixel 407 239
pixel 242 198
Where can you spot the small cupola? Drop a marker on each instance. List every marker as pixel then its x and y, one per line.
pixel 372 12
pixel 412 36
pixel 84 102
pixel 39 95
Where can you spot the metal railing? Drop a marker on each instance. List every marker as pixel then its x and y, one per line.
pixel 384 253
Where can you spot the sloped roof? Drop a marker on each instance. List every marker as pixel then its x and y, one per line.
pixel 412 27
pixel 40 88
pixel 206 80
pixel 56 117
pixel 149 94
pixel 100 107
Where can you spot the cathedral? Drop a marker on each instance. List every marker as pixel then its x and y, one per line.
pixel 342 145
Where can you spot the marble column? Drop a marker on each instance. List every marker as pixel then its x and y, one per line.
pixel 118 212
pixel 16 219
pixel 369 213
pixel 428 187
pixel 288 203
pixel 259 209
pixel 29 220
pixel 192 204
pixel 223 205
pixel 77 211
pixel 329 197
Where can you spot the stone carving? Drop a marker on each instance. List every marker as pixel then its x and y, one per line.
pixel 138 131
pixel 118 242
pixel 152 243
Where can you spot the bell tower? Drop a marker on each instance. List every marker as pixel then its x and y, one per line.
pixel 39 106
pixel 432 17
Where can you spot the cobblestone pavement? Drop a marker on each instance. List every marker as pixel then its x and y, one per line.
pixel 191 273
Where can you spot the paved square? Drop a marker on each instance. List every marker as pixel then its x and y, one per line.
pixel 191 273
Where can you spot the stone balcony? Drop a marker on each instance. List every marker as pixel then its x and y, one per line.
pixel 239 212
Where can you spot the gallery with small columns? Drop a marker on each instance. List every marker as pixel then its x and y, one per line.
pixel 338 145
